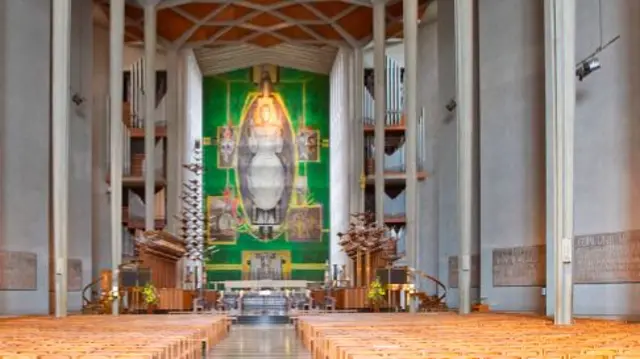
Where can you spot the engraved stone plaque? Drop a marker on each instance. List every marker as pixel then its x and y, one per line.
pixel 519 267
pixel 607 258
pixel 74 275
pixel 18 270
pixel 475 271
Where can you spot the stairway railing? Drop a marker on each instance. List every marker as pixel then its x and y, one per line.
pixel 86 302
pixel 418 273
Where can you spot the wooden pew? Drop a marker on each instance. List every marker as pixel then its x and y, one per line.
pixel 105 337
pixel 483 335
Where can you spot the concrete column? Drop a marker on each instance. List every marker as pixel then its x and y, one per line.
pixel 150 49
pixel 464 93
pixel 60 100
pixel 174 156
pixel 380 96
pixel 354 176
pixel 339 139
pixel 180 142
pixel 560 24
pixel 116 48
pixel 358 92
pixel 356 86
pixel 410 21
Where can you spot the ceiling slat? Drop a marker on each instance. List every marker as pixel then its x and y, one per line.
pixel 224 59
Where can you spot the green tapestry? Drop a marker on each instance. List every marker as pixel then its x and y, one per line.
pixel 266 179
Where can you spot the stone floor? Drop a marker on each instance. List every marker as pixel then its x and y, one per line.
pixel 261 341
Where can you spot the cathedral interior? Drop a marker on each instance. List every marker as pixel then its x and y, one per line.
pixel 319 179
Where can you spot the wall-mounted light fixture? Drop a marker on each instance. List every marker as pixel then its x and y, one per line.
pixel 77 99
pixel 586 67
pixel 451 105
pixel 591 63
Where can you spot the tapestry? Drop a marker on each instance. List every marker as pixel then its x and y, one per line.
pixel 266 178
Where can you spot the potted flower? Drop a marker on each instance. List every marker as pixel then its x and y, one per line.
pixel 376 294
pixel 481 305
pixel 150 295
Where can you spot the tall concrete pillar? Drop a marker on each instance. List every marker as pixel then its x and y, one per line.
pixel 354 175
pixel 464 26
pixel 410 29
pixel 174 157
pixel 116 48
pixel 60 101
pixel 150 46
pixel 339 139
pixel 380 98
pixel 174 160
pixel 560 24
pixel 358 128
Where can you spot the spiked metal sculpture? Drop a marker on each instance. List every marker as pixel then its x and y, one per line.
pixel 192 217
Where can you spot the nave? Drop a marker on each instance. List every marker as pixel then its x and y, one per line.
pixel 319 336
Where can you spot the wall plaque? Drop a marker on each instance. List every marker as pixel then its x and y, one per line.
pixel 607 258
pixel 475 271
pixel 18 271
pixel 519 267
pixel 74 275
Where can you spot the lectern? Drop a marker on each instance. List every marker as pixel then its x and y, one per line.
pixel 395 280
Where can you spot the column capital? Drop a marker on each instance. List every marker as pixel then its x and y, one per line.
pixel 347 49
pixel 380 110
pixel 379 2
pixel 145 3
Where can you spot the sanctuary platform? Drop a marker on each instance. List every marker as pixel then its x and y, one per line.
pixel 266 301
pixel 448 335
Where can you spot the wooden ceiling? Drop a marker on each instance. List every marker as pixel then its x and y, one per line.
pixel 264 23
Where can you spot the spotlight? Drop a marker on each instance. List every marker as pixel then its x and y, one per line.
pixel 451 105
pixel 586 67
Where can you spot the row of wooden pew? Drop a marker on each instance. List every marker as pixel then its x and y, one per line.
pixel 107 337
pixel 447 335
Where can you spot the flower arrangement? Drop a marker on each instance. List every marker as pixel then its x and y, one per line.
pixel 376 292
pixel 113 295
pixel 150 294
pixel 481 305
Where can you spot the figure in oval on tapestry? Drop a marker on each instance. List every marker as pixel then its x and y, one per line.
pixel 266 161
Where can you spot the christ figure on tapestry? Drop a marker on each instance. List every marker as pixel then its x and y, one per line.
pixel 266 155
pixel 266 172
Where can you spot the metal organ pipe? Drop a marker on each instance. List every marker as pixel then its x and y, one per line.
pixel 394 96
pixel 397 161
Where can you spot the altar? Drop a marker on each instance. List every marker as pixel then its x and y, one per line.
pixel 264 301
pixel 265 284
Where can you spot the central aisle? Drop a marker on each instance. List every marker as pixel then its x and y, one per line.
pixel 261 341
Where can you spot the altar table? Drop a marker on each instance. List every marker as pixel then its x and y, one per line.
pixel 266 284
